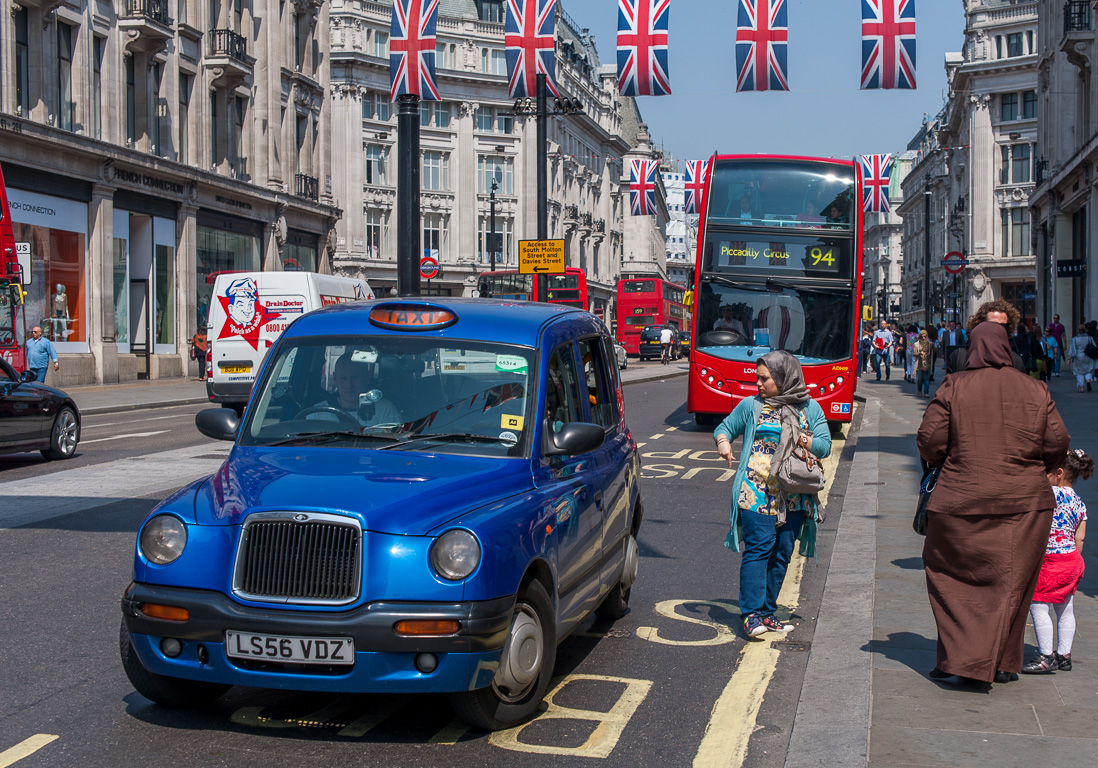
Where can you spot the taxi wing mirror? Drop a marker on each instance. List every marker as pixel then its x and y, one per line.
pixel 574 438
pixel 218 423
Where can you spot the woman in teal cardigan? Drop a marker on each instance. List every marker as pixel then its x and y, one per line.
pixel 782 416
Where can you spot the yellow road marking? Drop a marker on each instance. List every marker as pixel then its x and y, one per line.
pixel 450 734
pixel 656 437
pixel 25 748
pixel 723 634
pixel 672 429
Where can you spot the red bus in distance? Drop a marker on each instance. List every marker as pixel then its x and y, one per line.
pixel 569 288
pixel 644 301
pixel 13 326
pixel 779 266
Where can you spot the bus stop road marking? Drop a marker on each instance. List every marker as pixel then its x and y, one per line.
pixel 25 748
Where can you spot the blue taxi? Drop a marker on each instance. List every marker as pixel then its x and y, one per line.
pixel 423 496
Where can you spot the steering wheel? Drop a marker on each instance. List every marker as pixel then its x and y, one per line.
pixel 340 414
pixel 722 339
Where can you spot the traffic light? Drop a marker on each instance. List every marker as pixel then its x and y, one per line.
pixel 867 313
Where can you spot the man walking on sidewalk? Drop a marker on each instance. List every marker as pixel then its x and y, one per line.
pixel 882 341
pixel 39 353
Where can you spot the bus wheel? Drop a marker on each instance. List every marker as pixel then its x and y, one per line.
pixel 706 419
pixel 836 428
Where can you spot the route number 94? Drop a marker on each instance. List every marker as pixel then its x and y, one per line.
pixel 822 255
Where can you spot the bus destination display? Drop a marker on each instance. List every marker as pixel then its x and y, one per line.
pixel 811 257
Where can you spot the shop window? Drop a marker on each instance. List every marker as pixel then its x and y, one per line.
pixel 122 292
pixel 164 311
pixel 299 254
pixel 22 62
pixel 223 244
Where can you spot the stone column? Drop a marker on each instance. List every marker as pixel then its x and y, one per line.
pixel 186 275
pixel 100 272
pixel 463 221
pixel 983 157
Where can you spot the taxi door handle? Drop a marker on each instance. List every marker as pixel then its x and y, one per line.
pixel 598 499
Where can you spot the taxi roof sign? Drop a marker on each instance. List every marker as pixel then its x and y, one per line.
pixel 411 317
pixel 541 257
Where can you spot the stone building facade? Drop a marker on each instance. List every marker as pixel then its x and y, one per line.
pixel 882 246
pixel 147 145
pixel 681 228
pixel 467 141
pixel 1065 225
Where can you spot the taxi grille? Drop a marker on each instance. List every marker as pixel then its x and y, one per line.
pixel 316 561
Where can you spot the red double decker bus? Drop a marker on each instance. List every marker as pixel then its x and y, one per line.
pixel 779 266
pixel 569 288
pixel 645 301
pixel 13 327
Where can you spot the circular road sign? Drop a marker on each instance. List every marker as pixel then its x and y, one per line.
pixel 954 262
pixel 428 267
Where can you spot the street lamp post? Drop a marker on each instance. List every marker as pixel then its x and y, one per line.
pixel 408 214
pixel 926 252
pixel 492 228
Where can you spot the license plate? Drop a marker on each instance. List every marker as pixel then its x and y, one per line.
pixel 290 650
pixel 236 369
pixel 651 342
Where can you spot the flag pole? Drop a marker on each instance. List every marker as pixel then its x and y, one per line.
pixel 408 210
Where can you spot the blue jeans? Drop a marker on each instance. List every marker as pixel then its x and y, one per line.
pixel 877 358
pixel 922 382
pixel 766 554
pixel 39 373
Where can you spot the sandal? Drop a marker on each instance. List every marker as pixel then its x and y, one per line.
pixel 1040 664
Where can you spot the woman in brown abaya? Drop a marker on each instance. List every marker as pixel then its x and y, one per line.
pixel 996 433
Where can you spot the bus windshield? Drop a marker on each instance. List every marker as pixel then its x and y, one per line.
pixel 741 322
pixel 782 193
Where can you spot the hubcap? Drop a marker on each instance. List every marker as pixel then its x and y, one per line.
pixel 66 433
pixel 522 657
pixel 632 562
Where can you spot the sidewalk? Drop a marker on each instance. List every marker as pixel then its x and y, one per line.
pixel 866 698
pixel 160 393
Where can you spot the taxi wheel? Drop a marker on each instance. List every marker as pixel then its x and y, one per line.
pixel 525 668
pixel 166 691
pixel 616 603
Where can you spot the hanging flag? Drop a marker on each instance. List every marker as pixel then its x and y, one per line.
pixel 876 170
pixel 531 39
pixel 696 171
pixel 642 187
pixel 412 49
pixel 762 46
pixel 642 47
pixel 888 44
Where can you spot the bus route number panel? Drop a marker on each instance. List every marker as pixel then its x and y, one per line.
pixel 807 256
pixel 541 257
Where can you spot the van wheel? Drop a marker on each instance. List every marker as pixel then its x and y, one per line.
pixel 525 668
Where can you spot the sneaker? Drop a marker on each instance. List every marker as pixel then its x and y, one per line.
pixel 753 626
pixel 1040 664
pixel 1062 663
pixel 771 623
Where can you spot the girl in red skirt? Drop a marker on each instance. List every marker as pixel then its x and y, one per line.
pixel 1062 568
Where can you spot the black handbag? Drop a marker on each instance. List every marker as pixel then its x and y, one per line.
pixel 926 487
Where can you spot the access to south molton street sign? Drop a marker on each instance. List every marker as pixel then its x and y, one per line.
pixel 541 257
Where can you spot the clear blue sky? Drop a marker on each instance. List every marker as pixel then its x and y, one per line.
pixel 824 112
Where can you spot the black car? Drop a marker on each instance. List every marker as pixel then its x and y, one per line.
pixel 684 343
pixel 34 417
pixel 650 347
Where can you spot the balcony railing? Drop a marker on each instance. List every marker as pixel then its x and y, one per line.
pixel 154 10
pixel 306 186
pixel 225 42
pixel 1040 171
pixel 600 225
pixel 1076 16
pixel 571 212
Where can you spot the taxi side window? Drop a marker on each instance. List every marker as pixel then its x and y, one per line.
pixel 597 380
pixel 562 394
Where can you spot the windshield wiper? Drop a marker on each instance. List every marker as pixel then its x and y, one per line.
pixel 332 435
pixel 449 437
pixel 733 284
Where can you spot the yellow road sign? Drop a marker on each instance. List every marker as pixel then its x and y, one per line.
pixel 541 257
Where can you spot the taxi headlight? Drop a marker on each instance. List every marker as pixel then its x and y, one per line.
pixel 455 555
pixel 163 539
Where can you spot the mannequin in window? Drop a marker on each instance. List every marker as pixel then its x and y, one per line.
pixel 61 317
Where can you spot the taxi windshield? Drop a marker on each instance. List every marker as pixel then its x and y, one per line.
pixel 411 393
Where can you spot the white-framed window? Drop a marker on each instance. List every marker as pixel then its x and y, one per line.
pixel 498 167
pixel 493 61
pixel 436 235
pixel 436 171
pixel 376 157
pixel 505 226
pixel 484 119
pixel 377 233
pixel 442 114
pixel 504 123
pixel 383 106
pixel 381 44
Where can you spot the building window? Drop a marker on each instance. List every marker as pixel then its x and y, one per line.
pixel 497 168
pixel 436 171
pixel 490 10
pixel 442 114
pixel 493 61
pixel 1029 105
pixel 998 46
pixel 367 106
pixel 1009 107
pixel 436 235
pixel 424 114
pixel 131 102
pixel 302 134
pixel 238 159
pixel 505 123
pixel 22 63
pixel 301 39
pixel 1029 42
pixel 383 105
pixel 1021 164
pixel 66 107
pixel 505 226
pixel 375 164
pixel 213 129
pixel 381 44
pixel 181 11
pixel 1015 231
pixel 184 117
pixel 377 233
pixel 98 44
pixel 484 119
pixel 157 73
pixel 1014 45
pixel 443 59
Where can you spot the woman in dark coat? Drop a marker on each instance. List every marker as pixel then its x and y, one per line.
pixel 996 433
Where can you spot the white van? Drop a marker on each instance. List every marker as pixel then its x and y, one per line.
pixel 250 310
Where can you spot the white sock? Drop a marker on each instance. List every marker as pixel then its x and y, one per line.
pixel 1042 623
pixel 1065 625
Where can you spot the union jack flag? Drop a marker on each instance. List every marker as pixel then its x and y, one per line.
pixel 696 171
pixel 531 39
pixel 642 187
pixel 642 47
pixel 888 44
pixel 876 170
pixel 412 49
pixel 762 46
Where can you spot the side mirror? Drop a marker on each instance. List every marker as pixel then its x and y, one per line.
pixel 28 376
pixel 218 423
pixel 574 438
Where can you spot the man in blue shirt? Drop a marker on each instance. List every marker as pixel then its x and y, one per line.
pixel 39 353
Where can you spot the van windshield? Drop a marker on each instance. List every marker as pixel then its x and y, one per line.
pixel 396 392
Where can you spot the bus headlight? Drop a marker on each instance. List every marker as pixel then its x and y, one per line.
pixel 455 554
pixel 163 539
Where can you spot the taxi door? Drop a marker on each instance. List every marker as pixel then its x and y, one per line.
pixel 574 488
